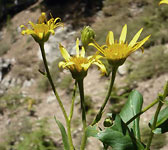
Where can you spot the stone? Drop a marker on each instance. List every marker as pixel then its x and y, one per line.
pixel 122 70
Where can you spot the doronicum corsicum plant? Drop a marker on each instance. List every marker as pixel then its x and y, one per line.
pixel 122 131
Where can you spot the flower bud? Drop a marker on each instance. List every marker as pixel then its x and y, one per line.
pixel 87 35
pixel 107 122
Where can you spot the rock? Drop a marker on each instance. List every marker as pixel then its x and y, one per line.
pixel 5 79
pixel 122 70
pixel 5 67
pixel 28 83
pixel 51 98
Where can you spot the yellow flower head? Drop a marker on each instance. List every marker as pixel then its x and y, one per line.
pixel 42 30
pixel 117 52
pixel 79 64
pixel 163 2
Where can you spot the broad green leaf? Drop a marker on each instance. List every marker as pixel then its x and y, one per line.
pixel 162 122
pixel 117 136
pixel 132 107
pixel 64 134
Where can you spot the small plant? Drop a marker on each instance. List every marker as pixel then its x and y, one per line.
pixel 38 139
pixel 122 130
pixel 12 99
pixel 26 137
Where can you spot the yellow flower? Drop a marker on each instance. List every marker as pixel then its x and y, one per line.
pixel 79 64
pixel 163 1
pixel 42 30
pixel 117 52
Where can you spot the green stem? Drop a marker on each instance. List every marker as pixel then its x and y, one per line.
pixel 73 101
pixel 154 125
pixel 161 102
pixel 81 91
pixel 98 116
pixel 144 110
pixel 57 96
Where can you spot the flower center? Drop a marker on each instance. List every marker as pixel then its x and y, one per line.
pixel 78 61
pixel 41 28
pixel 117 51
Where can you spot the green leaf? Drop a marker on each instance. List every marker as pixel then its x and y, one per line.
pixel 64 134
pixel 91 131
pixel 132 107
pixel 118 136
pixel 162 122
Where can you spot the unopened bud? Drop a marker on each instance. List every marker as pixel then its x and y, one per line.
pixel 107 122
pixel 87 35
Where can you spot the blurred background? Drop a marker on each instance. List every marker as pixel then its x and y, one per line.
pixel 27 104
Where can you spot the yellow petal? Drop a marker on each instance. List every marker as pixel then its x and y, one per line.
pixel 61 64
pixel 123 34
pixel 32 24
pixel 64 52
pixel 52 31
pixel 98 57
pixel 101 67
pixel 57 19
pixel 97 46
pixel 135 38
pixel 82 53
pixel 77 47
pixel 110 38
pixel 69 63
pixel 86 66
pixel 163 2
pixel 139 44
pixel 23 26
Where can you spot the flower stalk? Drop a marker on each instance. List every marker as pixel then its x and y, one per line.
pixel 98 116
pixel 56 94
pixel 73 101
pixel 81 91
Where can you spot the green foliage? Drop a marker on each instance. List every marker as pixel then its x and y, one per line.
pixel 152 65
pixel 118 136
pixel 15 131
pixel 25 137
pixel 158 141
pixel 12 99
pixel 38 139
pixel 64 134
pixel 161 125
pixel 132 107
